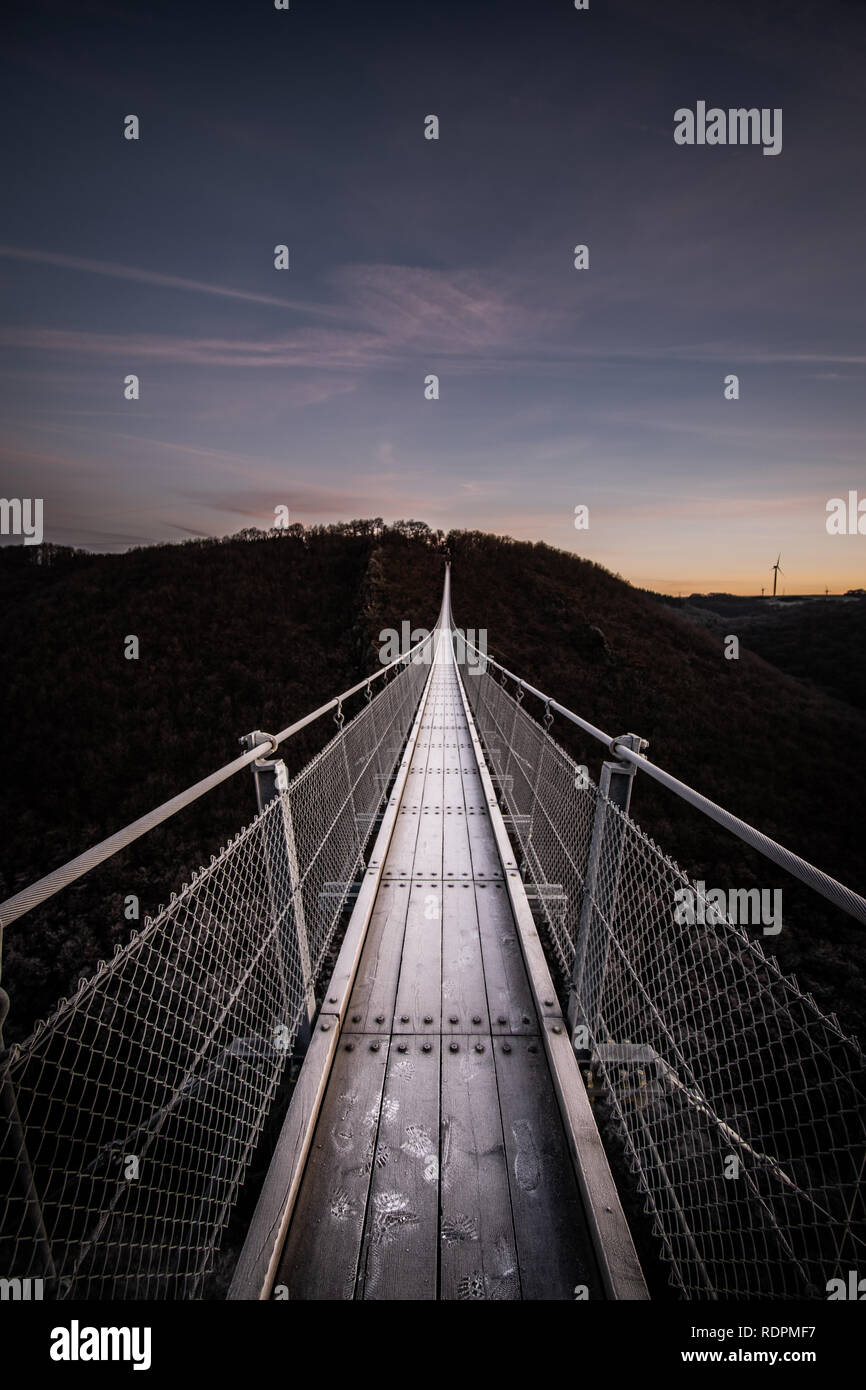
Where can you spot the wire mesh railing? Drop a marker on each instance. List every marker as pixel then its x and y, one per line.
pixel 737 1104
pixel 131 1115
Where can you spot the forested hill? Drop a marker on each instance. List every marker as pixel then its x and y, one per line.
pixel 256 630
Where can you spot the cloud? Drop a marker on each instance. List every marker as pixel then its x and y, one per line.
pixel 152 277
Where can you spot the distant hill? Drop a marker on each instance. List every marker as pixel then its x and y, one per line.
pixel 256 630
pixel 820 640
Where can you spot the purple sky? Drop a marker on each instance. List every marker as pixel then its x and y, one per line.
pixel 558 387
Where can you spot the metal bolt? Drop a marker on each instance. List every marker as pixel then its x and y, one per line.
pixel 324 1027
pixel 333 999
pixel 374 1047
pixel 526 1018
pixel 453 1018
pixel 502 1019
pixel 428 1018
pixel 556 1028
pixel 426 1047
pixel 380 1018
pixel 356 1018
pixel 533 1047
pixel 479 1047
pixel 476 1018
pixel 350 1047
pixel 455 1047
pixel 506 1047
pixel 404 1018
pixel 549 1003
pixel 401 1047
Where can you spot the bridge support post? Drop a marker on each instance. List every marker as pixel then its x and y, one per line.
pixel 600 890
pixel 284 882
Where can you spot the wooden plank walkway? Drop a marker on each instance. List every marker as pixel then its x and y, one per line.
pixel 439 1166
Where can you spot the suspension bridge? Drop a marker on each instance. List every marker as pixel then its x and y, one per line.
pixel 512 1066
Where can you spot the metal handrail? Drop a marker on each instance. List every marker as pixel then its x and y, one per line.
pixel 44 888
pixel 830 888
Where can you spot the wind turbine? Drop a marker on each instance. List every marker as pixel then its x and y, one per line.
pixel 777 570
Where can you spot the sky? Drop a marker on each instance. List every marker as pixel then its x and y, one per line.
pixel 558 388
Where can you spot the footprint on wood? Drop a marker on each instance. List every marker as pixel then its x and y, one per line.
pixel 392 1211
pixel 471 1286
pixel 458 1228
pixel 341 1204
pixel 526 1166
pixel 417 1142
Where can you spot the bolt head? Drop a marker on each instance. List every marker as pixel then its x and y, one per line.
pixel 476 1018
pixel 356 1018
pixel 428 1018
pixel 374 1047
pixel 506 1047
pixel 380 1018
pixel 401 1047
pixel 350 1047
pixel 533 1047
pixel 479 1047
pixel 426 1047
pixel 453 1018
pixel 455 1047
pixel 404 1018
pixel 502 1019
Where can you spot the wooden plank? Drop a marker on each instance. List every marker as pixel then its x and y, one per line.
pixel 418 1007
pixel 614 1248
pixel 464 997
pixel 428 848
pixel 320 1259
pixel 405 834
pixel 340 985
pixel 456 858
pixel 371 1006
pixel 427 862
pixel 400 1251
pixel 554 1244
pixel 262 1250
pixel 478 1252
pixel 509 998
pixel 615 1252
pixel 257 1264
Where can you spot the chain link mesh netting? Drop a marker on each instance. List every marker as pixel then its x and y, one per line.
pixel 737 1104
pixel 136 1108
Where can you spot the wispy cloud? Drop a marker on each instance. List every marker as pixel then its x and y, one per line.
pixel 154 277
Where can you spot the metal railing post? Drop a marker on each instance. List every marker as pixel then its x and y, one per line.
pixel 271 780
pixel 600 889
